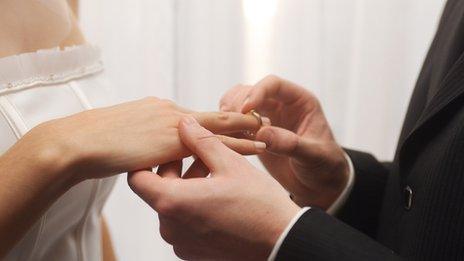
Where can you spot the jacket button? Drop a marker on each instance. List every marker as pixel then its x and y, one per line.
pixel 407 198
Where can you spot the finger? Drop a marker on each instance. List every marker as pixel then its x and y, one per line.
pixel 227 122
pixel 197 170
pixel 245 134
pixel 147 185
pixel 278 140
pixel 205 144
pixel 171 170
pixel 273 87
pixel 195 252
pixel 233 99
pixel 284 142
pixel 243 146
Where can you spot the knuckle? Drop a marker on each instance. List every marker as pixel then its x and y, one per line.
pixel 151 200
pixel 167 103
pixel 225 100
pixel 167 207
pixel 166 234
pixel 222 116
pixel 181 253
pixel 208 141
pixel 151 99
pixel 131 182
pixel 222 138
pixel 272 78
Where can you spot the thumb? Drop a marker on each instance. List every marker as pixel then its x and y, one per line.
pixel 147 185
pixel 287 143
pixel 204 144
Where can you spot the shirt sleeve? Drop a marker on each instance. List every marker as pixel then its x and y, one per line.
pixel 338 203
pixel 282 237
pixel 332 210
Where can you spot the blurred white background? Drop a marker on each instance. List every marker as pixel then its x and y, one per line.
pixel 361 57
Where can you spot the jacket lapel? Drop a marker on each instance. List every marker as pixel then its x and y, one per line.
pixel 451 88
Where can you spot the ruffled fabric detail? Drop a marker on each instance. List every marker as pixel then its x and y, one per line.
pixel 50 66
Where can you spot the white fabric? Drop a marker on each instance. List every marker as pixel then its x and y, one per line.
pixel 37 87
pixel 284 234
pixel 361 57
pixel 333 209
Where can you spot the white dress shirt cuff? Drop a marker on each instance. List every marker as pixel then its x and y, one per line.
pixel 338 203
pixel 282 237
pixel 332 210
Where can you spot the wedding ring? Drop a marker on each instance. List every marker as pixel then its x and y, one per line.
pixel 257 116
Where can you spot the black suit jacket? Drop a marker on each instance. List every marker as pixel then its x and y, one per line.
pixel 412 208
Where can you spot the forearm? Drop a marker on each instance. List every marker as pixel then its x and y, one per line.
pixel 30 181
pixel 107 244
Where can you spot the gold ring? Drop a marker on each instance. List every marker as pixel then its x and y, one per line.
pixel 257 116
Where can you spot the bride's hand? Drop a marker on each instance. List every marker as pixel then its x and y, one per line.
pixel 126 137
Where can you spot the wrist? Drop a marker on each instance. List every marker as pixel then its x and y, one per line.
pixel 279 226
pixel 322 191
pixel 50 157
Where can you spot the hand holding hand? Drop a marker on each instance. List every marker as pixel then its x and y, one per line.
pixel 237 213
pixel 56 155
pixel 302 152
pixel 126 137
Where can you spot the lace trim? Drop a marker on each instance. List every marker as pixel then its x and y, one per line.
pixel 48 66
pixel 51 78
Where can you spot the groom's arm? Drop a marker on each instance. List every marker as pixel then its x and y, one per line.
pixel 316 235
pixel 239 212
pixel 319 236
pixel 361 209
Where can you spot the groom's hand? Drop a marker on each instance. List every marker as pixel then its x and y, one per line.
pixel 237 213
pixel 302 153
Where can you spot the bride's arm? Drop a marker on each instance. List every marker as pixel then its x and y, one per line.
pixel 32 177
pixel 107 244
pixel 56 155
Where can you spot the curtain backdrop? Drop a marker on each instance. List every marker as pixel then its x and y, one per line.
pixel 361 57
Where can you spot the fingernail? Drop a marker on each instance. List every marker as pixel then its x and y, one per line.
pixel 189 120
pixel 260 145
pixel 266 121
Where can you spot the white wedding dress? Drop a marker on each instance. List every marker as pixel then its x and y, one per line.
pixel 37 87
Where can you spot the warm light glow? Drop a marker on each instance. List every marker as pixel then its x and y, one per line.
pixel 259 11
pixel 259 22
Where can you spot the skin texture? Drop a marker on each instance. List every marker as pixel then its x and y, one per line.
pixel 94 144
pixel 74 5
pixel 237 213
pixel 41 30
pixel 107 245
pixel 302 153
pixel 38 27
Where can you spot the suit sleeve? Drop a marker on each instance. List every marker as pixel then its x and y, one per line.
pixel 319 236
pixel 350 236
pixel 362 208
